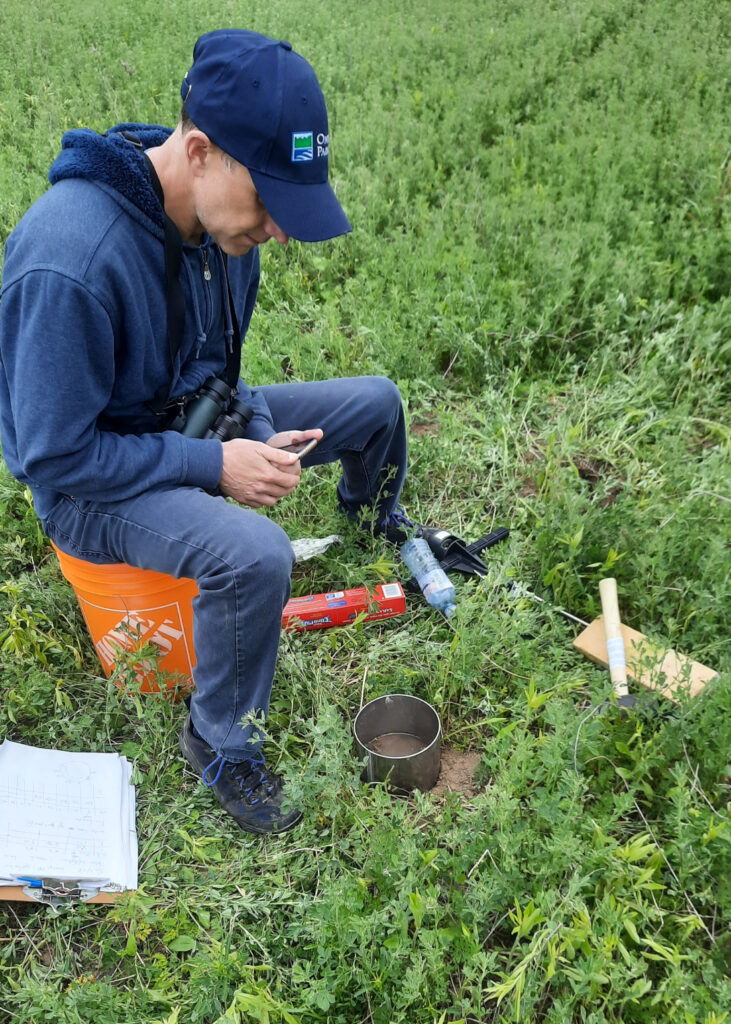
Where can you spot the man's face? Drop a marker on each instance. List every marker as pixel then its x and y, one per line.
pixel 228 207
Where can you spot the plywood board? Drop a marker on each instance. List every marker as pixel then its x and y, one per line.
pixel 648 663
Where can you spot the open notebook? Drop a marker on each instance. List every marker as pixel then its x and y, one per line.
pixel 65 818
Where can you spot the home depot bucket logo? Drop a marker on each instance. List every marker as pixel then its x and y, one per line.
pixel 126 632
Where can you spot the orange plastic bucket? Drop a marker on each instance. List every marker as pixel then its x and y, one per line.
pixel 125 608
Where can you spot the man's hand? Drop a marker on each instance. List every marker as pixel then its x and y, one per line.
pixel 257 474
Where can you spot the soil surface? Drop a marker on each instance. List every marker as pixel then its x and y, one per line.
pixel 458 773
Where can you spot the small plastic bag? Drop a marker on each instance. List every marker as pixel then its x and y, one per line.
pixel 309 547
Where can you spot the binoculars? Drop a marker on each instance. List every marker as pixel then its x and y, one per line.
pixel 214 413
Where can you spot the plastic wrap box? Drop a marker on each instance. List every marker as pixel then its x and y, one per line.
pixel 340 607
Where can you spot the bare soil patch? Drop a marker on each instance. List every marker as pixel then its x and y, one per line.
pixel 425 426
pixel 458 773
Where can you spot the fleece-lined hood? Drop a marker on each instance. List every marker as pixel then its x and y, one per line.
pixel 113 161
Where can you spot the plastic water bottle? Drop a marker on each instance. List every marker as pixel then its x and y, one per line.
pixel 428 573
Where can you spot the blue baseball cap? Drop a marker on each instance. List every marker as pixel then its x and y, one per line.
pixel 260 102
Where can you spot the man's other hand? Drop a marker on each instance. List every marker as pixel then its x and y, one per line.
pixel 257 474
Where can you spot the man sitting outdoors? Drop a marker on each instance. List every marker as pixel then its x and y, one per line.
pixel 127 287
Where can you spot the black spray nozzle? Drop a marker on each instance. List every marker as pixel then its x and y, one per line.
pixel 453 553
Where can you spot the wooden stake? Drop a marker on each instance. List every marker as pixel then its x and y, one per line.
pixel 616 657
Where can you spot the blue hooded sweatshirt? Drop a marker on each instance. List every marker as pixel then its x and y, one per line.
pixel 83 332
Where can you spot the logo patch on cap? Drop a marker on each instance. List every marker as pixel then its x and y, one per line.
pixel 302 146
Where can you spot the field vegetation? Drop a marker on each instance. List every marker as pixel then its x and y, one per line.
pixel 541 259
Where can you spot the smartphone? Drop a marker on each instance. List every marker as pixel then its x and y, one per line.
pixel 302 448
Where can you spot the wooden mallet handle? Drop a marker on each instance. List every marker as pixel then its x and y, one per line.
pixel 615 642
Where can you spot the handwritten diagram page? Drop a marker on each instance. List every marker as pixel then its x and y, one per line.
pixel 66 815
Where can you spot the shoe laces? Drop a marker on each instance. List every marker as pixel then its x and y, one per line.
pixel 399 517
pixel 251 775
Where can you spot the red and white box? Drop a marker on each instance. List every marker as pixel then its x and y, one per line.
pixel 340 607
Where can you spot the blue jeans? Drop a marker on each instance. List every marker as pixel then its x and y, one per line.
pixel 240 559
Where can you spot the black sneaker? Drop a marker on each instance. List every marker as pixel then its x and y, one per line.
pixel 397 527
pixel 248 791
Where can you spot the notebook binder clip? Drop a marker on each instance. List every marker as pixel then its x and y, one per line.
pixel 59 894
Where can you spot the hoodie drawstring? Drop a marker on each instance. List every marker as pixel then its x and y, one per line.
pixel 200 337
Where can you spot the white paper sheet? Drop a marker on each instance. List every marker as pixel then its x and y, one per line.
pixel 66 815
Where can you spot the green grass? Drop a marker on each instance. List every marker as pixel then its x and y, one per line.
pixel 540 196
